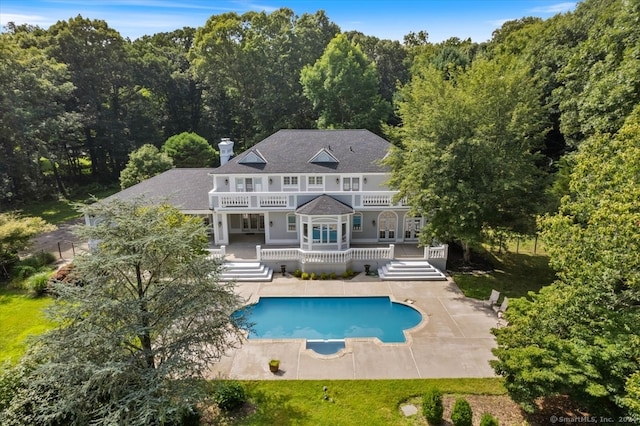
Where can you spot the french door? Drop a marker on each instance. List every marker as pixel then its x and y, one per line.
pixel 387 223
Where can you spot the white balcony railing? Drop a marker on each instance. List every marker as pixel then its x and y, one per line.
pixel 289 200
pixel 344 256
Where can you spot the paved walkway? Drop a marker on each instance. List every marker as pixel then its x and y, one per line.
pixel 454 339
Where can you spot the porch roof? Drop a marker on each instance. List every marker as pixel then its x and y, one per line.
pixel 324 205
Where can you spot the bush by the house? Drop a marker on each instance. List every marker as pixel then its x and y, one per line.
pixel 488 420
pixel 461 415
pixel 314 276
pixel 229 395
pixel 324 276
pixel 432 407
pixel 37 284
pixel 31 265
pixel 305 276
pixel 333 276
pixel 297 273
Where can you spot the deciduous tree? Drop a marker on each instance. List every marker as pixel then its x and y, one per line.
pixel 468 156
pixel 135 340
pixel 580 335
pixel 16 233
pixel 145 162
pixel 189 150
pixel 344 89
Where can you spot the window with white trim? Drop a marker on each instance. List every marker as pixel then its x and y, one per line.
pixel 351 184
pixel 292 222
pixel 290 181
pixel 356 222
pixel 315 181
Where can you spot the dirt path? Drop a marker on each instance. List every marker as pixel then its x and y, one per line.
pixel 61 242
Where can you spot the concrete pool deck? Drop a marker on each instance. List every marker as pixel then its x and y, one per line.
pixel 454 340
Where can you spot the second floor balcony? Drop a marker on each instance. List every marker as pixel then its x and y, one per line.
pixel 286 200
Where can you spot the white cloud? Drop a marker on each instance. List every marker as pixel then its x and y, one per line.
pixel 554 8
pixel 19 19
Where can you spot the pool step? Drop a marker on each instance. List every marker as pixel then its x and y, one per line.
pixel 246 271
pixel 410 270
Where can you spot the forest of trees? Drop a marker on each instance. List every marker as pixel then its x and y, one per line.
pixel 536 130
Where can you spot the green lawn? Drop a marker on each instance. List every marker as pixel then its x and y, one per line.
pixel 514 276
pixel 62 210
pixel 353 402
pixel 20 316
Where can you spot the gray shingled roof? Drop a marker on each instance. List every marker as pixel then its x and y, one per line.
pixel 186 189
pixel 289 151
pixel 324 205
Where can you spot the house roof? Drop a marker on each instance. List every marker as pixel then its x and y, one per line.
pixel 185 188
pixel 324 205
pixel 297 151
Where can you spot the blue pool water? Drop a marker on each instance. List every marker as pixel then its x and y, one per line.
pixel 321 318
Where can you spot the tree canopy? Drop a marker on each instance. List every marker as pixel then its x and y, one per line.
pixel 344 88
pixel 467 160
pixel 579 335
pixel 189 150
pixel 16 232
pixel 145 162
pixel 136 337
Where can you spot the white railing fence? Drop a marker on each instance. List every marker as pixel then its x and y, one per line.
pixel 344 256
pixel 217 253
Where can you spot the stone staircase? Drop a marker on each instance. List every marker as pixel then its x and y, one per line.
pixel 246 271
pixel 410 270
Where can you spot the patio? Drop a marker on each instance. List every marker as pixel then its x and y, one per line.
pixel 454 339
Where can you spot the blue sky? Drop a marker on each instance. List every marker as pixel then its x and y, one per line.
pixel 388 19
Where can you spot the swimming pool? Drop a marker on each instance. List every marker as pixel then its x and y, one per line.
pixel 330 318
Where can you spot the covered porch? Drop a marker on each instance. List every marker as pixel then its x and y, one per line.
pixel 251 248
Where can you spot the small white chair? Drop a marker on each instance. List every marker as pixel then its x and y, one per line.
pixel 503 307
pixel 493 299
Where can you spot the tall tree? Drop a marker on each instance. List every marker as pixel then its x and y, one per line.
pixel 33 122
pixel 468 156
pixel 97 58
pixel 189 150
pixel 249 66
pixel 145 162
pixel 163 68
pixel 343 86
pixel 580 336
pixel 135 340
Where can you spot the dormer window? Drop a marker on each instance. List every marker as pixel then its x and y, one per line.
pixel 324 157
pixel 253 157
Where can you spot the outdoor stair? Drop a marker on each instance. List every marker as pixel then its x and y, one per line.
pixel 245 271
pixel 410 270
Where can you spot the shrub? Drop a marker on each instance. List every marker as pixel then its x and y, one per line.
pixel 21 272
pixel 297 273
pixel 324 276
pixel 432 408
pixel 488 420
pixel 346 275
pixel 314 276
pixel 229 395
pixel 37 284
pixel 461 415
pixel 333 276
pixel 305 276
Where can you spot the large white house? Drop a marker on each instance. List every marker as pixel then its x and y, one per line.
pixel 307 195
pixel 317 189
